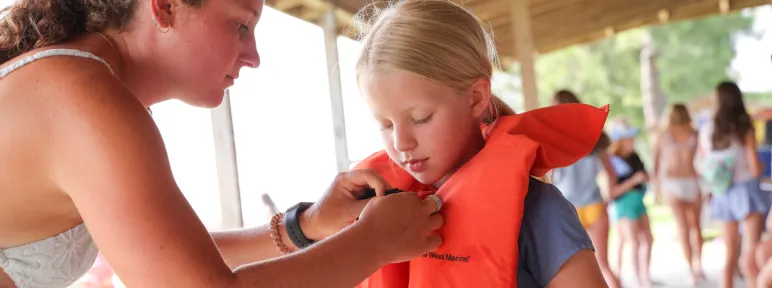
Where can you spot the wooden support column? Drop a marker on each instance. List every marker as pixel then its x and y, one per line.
pixel 336 93
pixel 227 167
pixel 521 25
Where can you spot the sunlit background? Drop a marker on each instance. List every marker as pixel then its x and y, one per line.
pixel 283 122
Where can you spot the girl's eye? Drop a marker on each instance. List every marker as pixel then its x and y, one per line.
pixel 386 127
pixel 424 120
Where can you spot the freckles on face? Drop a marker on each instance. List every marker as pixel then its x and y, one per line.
pixel 425 126
pixel 212 43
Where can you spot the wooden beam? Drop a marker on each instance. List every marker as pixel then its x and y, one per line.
pixel 521 25
pixel 227 166
pixel 490 9
pixel 313 10
pixel 724 6
pixel 546 7
pixel 336 92
pixel 556 23
pixel 284 5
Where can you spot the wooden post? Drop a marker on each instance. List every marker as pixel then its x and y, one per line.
pixel 521 25
pixel 336 93
pixel 227 167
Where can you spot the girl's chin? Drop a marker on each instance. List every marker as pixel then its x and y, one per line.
pixel 428 179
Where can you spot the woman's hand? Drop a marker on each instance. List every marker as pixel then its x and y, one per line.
pixel 339 207
pixel 402 223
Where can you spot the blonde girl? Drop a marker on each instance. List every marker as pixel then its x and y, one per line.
pixel 425 72
pixel 677 179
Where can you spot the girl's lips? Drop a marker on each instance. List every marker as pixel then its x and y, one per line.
pixel 416 165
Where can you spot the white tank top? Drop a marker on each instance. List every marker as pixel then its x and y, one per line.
pixel 60 260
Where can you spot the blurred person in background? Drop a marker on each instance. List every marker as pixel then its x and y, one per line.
pixel 578 183
pixel 678 183
pixel 731 169
pixel 628 208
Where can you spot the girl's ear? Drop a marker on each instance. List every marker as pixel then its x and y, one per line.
pixel 480 97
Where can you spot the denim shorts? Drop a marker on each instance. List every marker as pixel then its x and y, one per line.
pixel 743 198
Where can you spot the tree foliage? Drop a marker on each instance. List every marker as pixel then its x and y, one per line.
pixel 692 57
pixel 695 55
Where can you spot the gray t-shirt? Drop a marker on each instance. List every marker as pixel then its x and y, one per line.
pixel 577 182
pixel 550 234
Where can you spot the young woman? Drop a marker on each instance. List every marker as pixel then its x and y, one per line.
pixel 425 72
pixel 579 185
pixel 629 209
pixel 677 179
pixel 84 166
pixel 730 137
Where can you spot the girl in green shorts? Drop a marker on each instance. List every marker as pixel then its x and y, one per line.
pixel 629 210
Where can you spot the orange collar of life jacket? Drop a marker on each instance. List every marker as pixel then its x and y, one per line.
pixel 483 200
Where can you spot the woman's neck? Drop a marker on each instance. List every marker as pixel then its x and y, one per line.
pixel 139 71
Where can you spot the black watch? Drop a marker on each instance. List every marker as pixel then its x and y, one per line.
pixel 292 223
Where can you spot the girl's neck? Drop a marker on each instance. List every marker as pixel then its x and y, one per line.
pixel 626 153
pixel 473 147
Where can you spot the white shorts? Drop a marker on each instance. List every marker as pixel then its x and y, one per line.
pixel 684 189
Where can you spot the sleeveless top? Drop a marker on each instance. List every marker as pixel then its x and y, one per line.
pixel 671 149
pixel 742 169
pixel 58 261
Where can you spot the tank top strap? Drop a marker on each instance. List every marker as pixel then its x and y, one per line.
pixel 49 53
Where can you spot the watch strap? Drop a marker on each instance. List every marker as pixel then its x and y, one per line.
pixel 292 224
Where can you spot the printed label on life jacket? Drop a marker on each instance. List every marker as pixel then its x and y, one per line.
pixel 447 257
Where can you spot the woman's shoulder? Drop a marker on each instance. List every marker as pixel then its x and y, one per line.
pixel 52 94
pixel 63 80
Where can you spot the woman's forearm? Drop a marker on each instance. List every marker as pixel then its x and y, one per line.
pixel 244 246
pixel 343 260
pixel 623 187
pixel 611 175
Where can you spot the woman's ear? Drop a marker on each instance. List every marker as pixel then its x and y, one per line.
pixel 163 12
pixel 480 97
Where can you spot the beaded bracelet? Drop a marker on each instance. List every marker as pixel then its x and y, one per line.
pixel 275 236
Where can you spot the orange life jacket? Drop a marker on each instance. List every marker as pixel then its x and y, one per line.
pixel 483 200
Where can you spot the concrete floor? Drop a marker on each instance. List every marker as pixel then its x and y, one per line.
pixel 669 269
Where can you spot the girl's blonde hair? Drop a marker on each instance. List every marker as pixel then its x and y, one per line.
pixel 436 39
pixel 679 116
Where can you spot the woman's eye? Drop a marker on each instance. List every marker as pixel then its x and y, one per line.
pixel 423 120
pixel 243 28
